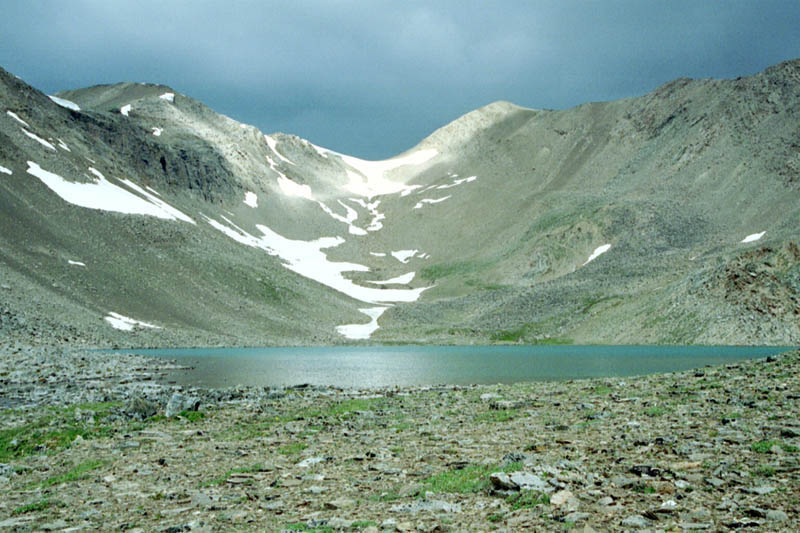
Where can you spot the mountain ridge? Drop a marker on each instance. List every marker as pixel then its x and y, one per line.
pixel 499 219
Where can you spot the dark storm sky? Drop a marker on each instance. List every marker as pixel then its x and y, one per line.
pixel 373 78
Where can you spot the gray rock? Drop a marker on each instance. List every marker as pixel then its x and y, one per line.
pixel 339 523
pixel 761 491
pixel 789 433
pixel 528 481
pixel 776 515
pixel 434 506
pixel 310 461
pixel 502 481
pixel 576 517
pixel 637 521
pixel 201 499
pixel 605 501
pixel 139 408
pixel 340 503
pixel 181 402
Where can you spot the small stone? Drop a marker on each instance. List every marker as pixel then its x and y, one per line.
pixel 777 515
pixel 789 433
pixel 528 481
pixel 180 402
pixel 682 484
pixel 490 396
pixel 339 523
pixel 341 503
pixel 715 482
pixel 201 499
pixel 310 461
pixel 140 409
pixel 576 517
pixel 607 500
pixel 693 526
pixel 761 491
pixel 53 526
pixel 502 481
pixel 636 520
pixel 700 514
pixel 419 506
pixel 561 497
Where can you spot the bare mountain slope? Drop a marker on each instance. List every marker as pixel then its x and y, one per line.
pixel 610 222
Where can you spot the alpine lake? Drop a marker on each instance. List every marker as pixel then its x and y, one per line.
pixel 416 365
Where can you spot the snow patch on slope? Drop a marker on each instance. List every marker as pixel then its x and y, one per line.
pixel 457 182
pixel 105 196
pixel 169 97
pixel 64 103
pixel 76 263
pixel 16 117
pixel 369 178
pixel 125 323
pixel 38 139
pixel 292 188
pixel 4 170
pixel 307 259
pixel 158 131
pixel 63 145
pixel 753 237
pixel 597 253
pixel 251 199
pixel 424 201
pixel 363 331
pixel 273 145
pixel 404 255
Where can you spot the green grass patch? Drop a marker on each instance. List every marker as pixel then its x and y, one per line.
pixel 76 474
pixel 385 497
pixel 515 466
pixel 36 506
pixel 591 301
pixel 643 488
pixel 765 471
pixel 497 415
pixel 302 526
pixel 292 448
pixel 763 446
pixel 192 416
pixel 445 270
pixel 362 524
pixel 656 411
pixel 529 333
pixel 527 500
pixel 471 478
pixel 55 430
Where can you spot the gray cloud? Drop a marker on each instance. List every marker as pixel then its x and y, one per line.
pixel 373 78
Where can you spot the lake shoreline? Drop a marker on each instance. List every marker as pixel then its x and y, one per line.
pixel 713 448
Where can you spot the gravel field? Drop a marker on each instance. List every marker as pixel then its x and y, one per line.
pixel 119 448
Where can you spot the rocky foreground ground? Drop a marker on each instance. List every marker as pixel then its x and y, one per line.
pixel 92 441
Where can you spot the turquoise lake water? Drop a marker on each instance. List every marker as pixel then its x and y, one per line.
pixel 381 366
